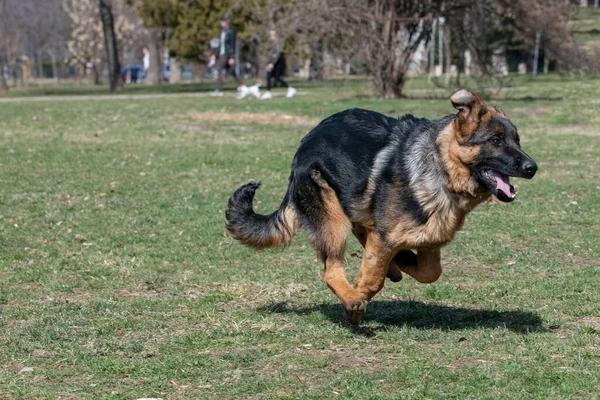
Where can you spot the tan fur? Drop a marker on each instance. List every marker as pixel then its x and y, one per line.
pixel 439 229
pixel 290 220
pixel 472 112
pixel 455 158
pixel 371 278
pixel 335 230
pixel 428 268
pixel 374 266
pixel 361 235
pixel 446 210
pixel 497 111
pixel 282 237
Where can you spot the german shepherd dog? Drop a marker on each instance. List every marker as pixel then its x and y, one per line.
pixel 402 186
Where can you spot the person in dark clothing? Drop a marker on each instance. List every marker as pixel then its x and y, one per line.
pixel 224 59
pixel 276 67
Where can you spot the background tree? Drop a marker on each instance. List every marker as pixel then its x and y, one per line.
pixel 86 45
pixel 110 43
pixel 34 29
pixel 309 28
pixel 381 36
pixel 390 31
pixel 87 42
pixel 159 17
pixel 184 27
pixel 8 36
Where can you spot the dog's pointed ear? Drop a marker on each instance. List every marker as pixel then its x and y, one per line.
pixel 469 105
pixel 498 111
pixel 470 108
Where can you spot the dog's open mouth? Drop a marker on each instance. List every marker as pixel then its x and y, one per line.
pixel 499 185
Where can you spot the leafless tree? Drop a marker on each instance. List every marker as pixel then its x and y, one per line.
pixel 87 43
pixel 390 34
pixel 310 27
pixel 110 44
pixel 390 31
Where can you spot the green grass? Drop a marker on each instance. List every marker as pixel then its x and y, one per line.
pixel 118 279
pixel 586 25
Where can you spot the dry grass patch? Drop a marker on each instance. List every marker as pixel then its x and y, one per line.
pixel 593 322
pixel 566 130
pixel 469 362
pixel 529 113
pixel 258 118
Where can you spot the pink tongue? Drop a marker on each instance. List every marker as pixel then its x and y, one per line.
pixel 503 185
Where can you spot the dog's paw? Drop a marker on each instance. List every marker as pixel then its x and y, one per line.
pixel 355 310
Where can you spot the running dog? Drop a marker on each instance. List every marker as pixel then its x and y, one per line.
pixel 402 186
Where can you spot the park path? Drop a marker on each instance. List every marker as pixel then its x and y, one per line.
pixel 118 97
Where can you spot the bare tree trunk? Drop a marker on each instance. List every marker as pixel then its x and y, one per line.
pixel 95 74
pixel 448 50
pixel 40 65
pixel 398 85
pixel 197 71
pixel 3 83
pixel 55 70
pixel 536 54
pixel 315 73
pixel 175 68
pixel 17 74
pixel 110 42
pixel 155 48
pixel 389 44
pixel 55 73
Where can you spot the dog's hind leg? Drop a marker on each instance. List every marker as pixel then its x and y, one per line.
pixel 394 273
pixel 335 278
pixel 332 236
pixel 329 228
pixel 425 267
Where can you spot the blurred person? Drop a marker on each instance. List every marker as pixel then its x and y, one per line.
pixel 146 61
pixel 276 67
pixel 224 58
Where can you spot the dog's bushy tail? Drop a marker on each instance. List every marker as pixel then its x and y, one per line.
pixel 256 230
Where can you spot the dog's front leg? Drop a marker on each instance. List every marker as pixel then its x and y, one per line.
pixel 425 266
pixel 373 270
pixel 394 273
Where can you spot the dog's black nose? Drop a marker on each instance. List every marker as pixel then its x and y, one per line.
pixel 529 168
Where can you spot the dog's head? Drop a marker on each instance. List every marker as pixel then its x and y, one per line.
pixel 492 142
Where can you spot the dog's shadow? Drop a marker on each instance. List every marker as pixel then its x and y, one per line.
pixel 419 315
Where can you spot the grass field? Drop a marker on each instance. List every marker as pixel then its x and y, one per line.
pixel 118 279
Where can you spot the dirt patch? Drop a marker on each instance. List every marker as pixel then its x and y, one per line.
pixel 254 293
pixel 364 363
pixel 530 112
pixel 139 291
pixel 594 322
pixel 567 130
pixel 258 118
pixel 469 362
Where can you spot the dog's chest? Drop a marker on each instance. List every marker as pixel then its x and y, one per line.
pixel 445 219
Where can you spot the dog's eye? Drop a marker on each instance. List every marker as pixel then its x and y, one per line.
pixel 496 141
